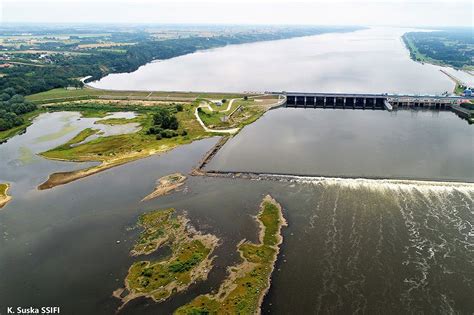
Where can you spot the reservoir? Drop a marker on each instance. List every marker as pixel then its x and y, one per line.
pixel 356 244
pixel 403 144
pixel 366 61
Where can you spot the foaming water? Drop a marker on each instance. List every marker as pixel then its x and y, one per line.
pixel 373 245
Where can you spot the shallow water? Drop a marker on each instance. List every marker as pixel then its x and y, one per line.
pixel 373 60
pixel 351 245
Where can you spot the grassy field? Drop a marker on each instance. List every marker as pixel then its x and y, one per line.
pixel 243 112
pixel 247 283
pixel 189 262
pixel 60 95
pixel 119 149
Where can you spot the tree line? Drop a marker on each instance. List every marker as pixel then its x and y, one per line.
pixel 12 106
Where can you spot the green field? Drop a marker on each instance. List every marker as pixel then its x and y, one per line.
pixel 63 95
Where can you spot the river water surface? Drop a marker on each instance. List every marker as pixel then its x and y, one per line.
pixel 352 245
pixel 372 60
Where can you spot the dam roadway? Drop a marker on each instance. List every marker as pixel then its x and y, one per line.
pixel 369 101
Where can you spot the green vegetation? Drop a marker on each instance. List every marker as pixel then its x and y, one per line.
pixel 4 197
pixel 117 121
pixel 242 112
pixel 165 124
pixel 67 128
pixel 189 262
pixel 27 121
pixel 112 147
pixel 119 149
pixel 453 47
pixel 64 95
pixel 13 108
pixel 80 137
pixel 243 290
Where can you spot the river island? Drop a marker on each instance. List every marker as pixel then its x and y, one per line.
pixel 166 184
pixel 243 290
pixel 190 260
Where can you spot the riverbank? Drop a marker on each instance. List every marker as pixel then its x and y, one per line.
pixel 117 150
pixel 4 197
pixel 28 120
pixel 111 151
pixel 247 283
pixel 189 262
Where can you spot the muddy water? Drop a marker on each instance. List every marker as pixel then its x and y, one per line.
pixel 351 245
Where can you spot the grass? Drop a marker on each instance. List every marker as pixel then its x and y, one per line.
pixel 190 259
pixel 80 137
pixel 106 148
pixel 250 110
pixel 242 292
pixel 28 120
pixel 118 121
pixel 116 150
pixel 3 190
pixel 62 95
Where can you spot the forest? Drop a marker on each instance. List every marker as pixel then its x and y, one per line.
pixel 453 47
pixel 12 106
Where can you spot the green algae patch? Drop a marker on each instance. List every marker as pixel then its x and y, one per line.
pixel 242 292
pixel 190 261
pixel 4 197
pixel 67 128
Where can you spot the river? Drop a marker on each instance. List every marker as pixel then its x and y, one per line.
pixel 351 245
pixel 373 60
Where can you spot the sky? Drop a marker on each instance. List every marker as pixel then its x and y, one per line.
pixel 318 12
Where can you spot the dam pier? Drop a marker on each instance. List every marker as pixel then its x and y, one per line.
pixel 369 101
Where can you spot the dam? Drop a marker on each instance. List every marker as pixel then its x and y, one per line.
pixel 369 101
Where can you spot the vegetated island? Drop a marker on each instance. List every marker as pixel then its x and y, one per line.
pixel 4 197
pixel 166 184
pixel 190 260
pixel 163 126
pixel 242 292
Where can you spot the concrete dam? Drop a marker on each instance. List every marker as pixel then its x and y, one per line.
pixel 369 101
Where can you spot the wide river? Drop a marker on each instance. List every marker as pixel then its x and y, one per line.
pixel 351 245
pixel 371 60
